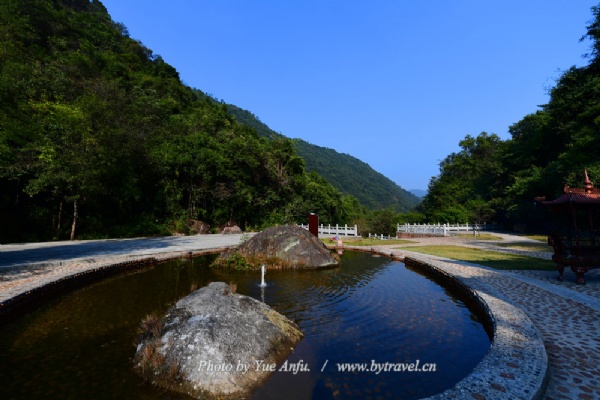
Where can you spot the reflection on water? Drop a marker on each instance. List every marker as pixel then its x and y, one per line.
pixel 368 309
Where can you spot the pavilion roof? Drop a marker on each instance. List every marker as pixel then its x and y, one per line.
pixel 588 194
pixel 577 198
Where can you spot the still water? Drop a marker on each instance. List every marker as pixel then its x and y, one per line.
pixel 370 309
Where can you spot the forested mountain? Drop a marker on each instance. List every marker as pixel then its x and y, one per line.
pixel 100 138
pixel 491 179
pixel 345 172
pixel 355 177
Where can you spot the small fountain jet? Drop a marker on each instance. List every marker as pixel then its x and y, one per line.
pixel 262 283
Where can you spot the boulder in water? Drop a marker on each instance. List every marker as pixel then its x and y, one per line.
pixel 214 344
pixel 287 246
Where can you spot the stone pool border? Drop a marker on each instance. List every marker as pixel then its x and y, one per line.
pixel 31 298
pixel 516 366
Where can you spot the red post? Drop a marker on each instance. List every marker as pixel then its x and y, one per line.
pixel 313 224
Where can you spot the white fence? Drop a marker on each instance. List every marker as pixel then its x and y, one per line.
pixel 380 237
pixel 443 229
pixel 335 230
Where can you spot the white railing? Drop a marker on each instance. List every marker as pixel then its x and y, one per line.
pixel 443 229
pixel 422 229
pixel 335 230
pixel 380 237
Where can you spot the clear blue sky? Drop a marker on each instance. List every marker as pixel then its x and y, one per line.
pixel 396 84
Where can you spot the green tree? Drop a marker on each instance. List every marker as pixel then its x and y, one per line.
pixel 469 181
pixel 383 222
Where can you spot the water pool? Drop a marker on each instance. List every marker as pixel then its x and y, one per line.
pixel 369 310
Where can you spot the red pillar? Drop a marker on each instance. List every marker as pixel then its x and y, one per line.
pixel 313 224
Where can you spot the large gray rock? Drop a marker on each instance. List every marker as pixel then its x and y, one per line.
pixel 286 246
pixel 232 230
pixel 214 343
pixel 198 227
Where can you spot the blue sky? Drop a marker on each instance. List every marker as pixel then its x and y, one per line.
pixel 396 84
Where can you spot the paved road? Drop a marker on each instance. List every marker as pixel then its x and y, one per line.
pixel 26 267
pixel 16 256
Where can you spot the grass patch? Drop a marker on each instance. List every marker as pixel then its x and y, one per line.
pixel 368 242
pixel 540 238
pixel 480 236
pixel 490 259
pixel 528 246
pixel 151 326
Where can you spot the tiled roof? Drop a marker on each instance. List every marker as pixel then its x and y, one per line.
pixel 578 198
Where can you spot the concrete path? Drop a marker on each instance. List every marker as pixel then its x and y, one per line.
pixel 24 267
pixel 14 256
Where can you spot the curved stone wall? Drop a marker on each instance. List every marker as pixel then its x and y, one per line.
pixel 516 366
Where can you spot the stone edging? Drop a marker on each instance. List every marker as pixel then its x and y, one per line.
pixel 30 299
pixel 516 366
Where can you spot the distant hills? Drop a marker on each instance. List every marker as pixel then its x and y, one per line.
pixel 346 173
pixel 419 192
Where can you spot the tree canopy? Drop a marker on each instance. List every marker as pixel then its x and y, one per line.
pixel 497 180
pixel 99 137
pixel 348 174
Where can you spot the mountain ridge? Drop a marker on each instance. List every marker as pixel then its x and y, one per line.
pixel 345 172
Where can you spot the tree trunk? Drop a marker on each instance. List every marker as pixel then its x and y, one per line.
pixel 75 215
pixel 59 219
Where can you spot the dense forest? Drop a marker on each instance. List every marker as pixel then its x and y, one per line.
pixel 346 173
pixel 100 138
pixel 491 179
